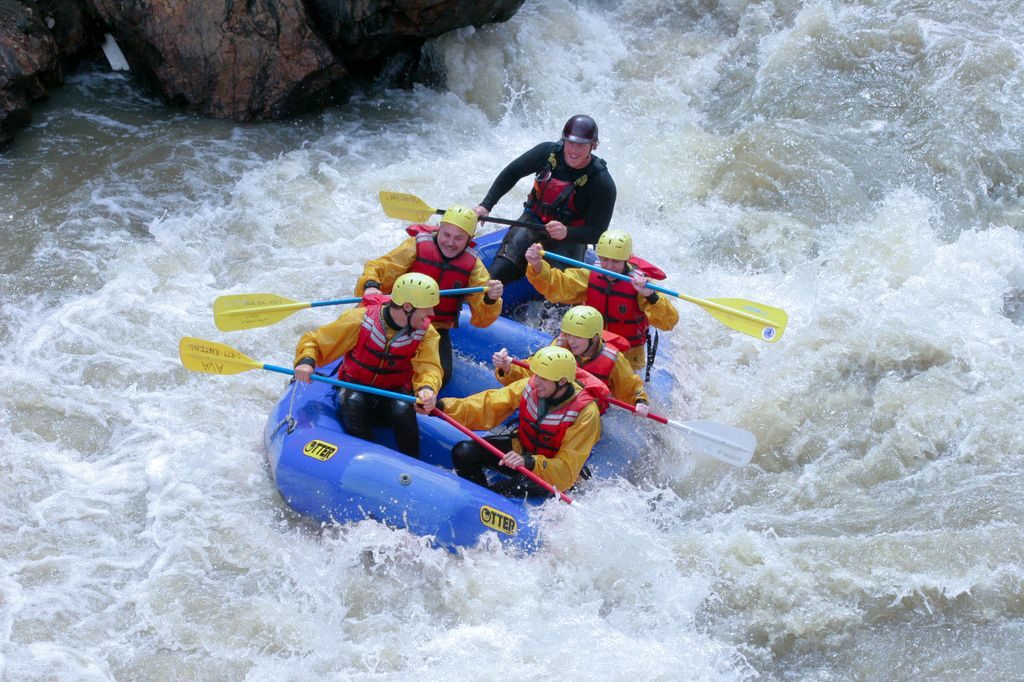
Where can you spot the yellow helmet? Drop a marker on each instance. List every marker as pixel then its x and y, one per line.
pixel 583 321
pixel 615 244
pixel 554 363
pixel 461 217
pixel 416 288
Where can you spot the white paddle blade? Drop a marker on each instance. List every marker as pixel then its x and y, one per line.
pixel 725 443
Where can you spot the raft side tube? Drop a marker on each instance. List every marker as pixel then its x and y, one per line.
pixel 369 481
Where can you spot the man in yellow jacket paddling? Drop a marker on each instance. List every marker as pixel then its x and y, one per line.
pixel 559 424
pixel 446 254
pixel 388 344
pixel 629 308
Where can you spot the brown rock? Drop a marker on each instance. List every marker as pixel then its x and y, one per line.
pixel 75 26
pixel 364 31
pixel 237 60
pixel 29 65
pixel 224 58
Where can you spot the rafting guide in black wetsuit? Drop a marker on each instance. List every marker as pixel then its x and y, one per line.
pixel 573 197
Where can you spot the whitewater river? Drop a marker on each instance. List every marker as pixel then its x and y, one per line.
pixel 856 164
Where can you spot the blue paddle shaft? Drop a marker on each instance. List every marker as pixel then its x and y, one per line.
pixel 345 384
pixel 443 292
pixel 337 301
pixel 609 273
pixel 460 292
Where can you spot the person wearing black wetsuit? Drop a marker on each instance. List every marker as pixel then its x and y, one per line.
pixel 573 197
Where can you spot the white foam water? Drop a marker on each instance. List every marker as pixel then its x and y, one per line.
pixel 855 165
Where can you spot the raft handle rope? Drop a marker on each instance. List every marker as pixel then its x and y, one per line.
pixel 288 418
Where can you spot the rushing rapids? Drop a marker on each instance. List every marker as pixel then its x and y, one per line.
pixel 857 165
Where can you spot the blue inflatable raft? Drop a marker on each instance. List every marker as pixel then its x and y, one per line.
pixel 327 475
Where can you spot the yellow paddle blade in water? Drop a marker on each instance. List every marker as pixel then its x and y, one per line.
pixel 754 319
pixel 407 207
pixel 248 311
pixel 211 357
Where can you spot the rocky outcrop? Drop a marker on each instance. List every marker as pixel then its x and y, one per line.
pixel 237 60
pixel 75 26
pixel 365 31
pixel 258 59
pixel 29 64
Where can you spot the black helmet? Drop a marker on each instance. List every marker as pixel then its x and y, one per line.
pixel 580 128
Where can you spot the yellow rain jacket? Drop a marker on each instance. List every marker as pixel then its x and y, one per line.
pixel 624 383
pixel 397 262
pixel 333 340
pixel 570 286
pixel 487 409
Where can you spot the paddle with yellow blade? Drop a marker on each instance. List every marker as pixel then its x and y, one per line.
pixel 211 357
pixel 753 319
pixel 235 312
pixel 413 209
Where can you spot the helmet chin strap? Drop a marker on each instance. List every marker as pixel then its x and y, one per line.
pixel 389 315
pixel 562 391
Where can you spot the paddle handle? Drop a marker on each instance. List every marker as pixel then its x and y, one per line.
pixel 616 275
pixel 317 304
pixel 345 384
pixel 501 221
pixel 463 291
pixel 344 301
pixel 500 455
pixel 443 292
pixel 632 408
pixel 513 223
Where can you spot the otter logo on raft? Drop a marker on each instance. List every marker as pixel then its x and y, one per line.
pixel 499 521
pixel 318 449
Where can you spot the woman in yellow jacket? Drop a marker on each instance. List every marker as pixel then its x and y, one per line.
pixel 628 308
pixel 597 351
pixel 388 344
pixel 559 424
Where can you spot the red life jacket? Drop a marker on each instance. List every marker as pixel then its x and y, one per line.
pixel 596 385
pixel 375 361
pixel 449 274
pixel 553 199
pixel 617 300
pixel 543 436
pixel 652 271
pixel 602 364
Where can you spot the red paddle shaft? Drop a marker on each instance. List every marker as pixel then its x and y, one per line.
pixel 500 455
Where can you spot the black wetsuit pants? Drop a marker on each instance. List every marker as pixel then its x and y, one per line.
pixel 509 263
pixel 470 459
pixel 359 411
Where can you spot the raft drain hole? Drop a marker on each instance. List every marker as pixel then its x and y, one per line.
pixel 404 479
